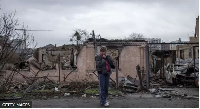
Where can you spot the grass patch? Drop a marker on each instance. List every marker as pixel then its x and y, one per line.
pixel 11 95
pixel 94 91
pixel 44 91
pixel 113 92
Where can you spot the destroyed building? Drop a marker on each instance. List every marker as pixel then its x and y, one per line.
pixel 128 54
pixel 186 51
pixel 77 63
pixel 185 69
pixel 50 55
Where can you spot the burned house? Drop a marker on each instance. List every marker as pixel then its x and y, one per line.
pixel 50 55
pixel 127 53
pixel 186 67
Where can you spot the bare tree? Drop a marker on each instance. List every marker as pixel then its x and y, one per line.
pixel 9 39
pixel 11 42
pixel 136 36
pixel 79 36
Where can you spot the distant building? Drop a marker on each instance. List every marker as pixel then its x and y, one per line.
pixel 154 47
pixel 10 44
pixel 173 46
pixel 165 46
pixel 49 47
pixel 17 43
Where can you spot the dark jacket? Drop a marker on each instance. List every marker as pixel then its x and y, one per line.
pixel 101 64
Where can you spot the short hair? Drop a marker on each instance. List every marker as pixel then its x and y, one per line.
pixel 103 49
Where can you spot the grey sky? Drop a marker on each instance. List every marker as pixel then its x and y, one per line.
pixel 165 19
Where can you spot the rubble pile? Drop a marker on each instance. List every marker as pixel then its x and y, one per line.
pixel 128 84
pixel 41 85
pixel 170 93
pixel 156 81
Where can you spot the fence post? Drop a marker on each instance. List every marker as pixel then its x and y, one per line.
pixel 147 65
pixel 59 67
pixel 116 67
pixel 194 60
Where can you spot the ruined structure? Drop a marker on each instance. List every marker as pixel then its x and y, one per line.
pixel 186 51
pixel 128 54
pixel 50 55
pixel 77 63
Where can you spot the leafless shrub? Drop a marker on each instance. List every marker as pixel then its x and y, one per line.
pixel 10 40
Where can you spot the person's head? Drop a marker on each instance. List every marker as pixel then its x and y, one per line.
pixel 103 50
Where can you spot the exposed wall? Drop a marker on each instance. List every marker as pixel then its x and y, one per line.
pixel 51 57
pixel 129 58
pixel 187 51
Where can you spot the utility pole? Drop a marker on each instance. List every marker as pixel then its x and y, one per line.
pixel 95 42
pixel 116 67
pixel 59 67
pixel 147 65
pixel 194 57
pixel 78 38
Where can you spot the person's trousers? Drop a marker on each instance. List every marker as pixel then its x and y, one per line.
pixel 103 87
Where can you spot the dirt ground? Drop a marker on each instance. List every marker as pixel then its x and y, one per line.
pixel 134 100
pixel 117 102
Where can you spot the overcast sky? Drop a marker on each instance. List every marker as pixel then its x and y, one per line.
pixel 112 19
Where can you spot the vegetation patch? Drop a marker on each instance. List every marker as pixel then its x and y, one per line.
pixel 14 95
pixel 95 91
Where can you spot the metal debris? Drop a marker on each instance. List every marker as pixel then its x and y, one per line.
pixel 67 94
pixel 129 85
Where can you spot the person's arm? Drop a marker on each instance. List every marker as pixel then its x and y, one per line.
pixel 110 61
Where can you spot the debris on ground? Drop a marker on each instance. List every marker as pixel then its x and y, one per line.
pixel 84 95
pixel 128 84
pixel 140 74
pixel 43 85
pixel 56 89
pixel 67 94
pixel 156 81
pixel 44 88
pixel 170 93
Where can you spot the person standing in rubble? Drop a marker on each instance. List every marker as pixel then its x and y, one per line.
pixel 104 63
